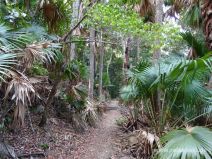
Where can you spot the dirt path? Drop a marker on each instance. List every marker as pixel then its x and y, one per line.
pixel 99 144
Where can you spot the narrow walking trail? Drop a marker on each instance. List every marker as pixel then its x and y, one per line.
pixel 99 144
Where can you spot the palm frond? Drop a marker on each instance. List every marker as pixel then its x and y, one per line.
pixel 192 16
pixel 22 93
pixel 21 88
pixel 12 40
pixel 6 60
pixel 182 82
pixel 39 52
pixel 192 142
pixel 197 45
pixel 90 113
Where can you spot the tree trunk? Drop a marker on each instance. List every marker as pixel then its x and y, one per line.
pixel 101 65
pixel 159 11
pixel 74 19
pixel 207 27
pixel 27 4
pixel 92 57
pixel 207 22
pixel 157 54
pixel 50 98
pixel 138 41
pixel 126 55
pixel 126 65
pixel 158 19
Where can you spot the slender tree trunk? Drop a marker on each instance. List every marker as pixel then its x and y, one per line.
pixel 74 19
pixel 158 19
pixel 50 98
pixel 27 5
pixel 157 54
pixel 207 27
pixel 92 58
pixel 101 65
pixel 126 54
pixel 207 22
pixel 138 41
pixel 126 65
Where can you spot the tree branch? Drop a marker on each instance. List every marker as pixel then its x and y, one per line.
pixel 64 38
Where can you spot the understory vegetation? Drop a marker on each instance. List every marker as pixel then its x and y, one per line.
pixel 66 59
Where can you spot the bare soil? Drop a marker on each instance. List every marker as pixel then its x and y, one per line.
pixel 60 141
pixel 100 144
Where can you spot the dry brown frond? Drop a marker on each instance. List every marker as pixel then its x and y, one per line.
pixel 142 143
pixel 145 9
pixel 22 92
pixel 21 88
pixel 90 113
pixel 36 52
pixel 19 116
pixel 52 16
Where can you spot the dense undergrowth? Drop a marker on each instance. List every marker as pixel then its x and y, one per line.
pixel 66 59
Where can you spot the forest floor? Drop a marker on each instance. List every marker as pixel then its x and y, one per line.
pixel 101 143
pixel 60 141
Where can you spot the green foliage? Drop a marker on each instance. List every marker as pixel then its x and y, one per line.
pixel 6 60
pixel 13 16
pixel 10 39
pixel 115 77
pixel 38 69
pixel 192 16
pixel 197 44
pixel 76 97
pixel 180 85
pixel 75 70
pixel 115 17
pixel 126 22
pixel 44 146
pixel 192 142
pixel 76 104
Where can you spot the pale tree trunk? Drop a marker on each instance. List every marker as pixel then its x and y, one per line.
pixel 138 42
pixel 92 58
pixel 101 65
pixel 74 19
pixel 158 19
pixel 159 11
pixel 126 47
pixel 157 54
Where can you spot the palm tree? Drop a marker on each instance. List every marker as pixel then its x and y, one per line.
pixel 180 84
pixel 197 13
pixel 197 46
pixel 16 48
pixel 207 22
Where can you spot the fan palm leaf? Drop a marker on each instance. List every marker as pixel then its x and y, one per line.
pixel 6 60
pixel 192 142
pixel 12 40
pixel 39 52
pixel 192 16
pixel 181 82
pixel 197 45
